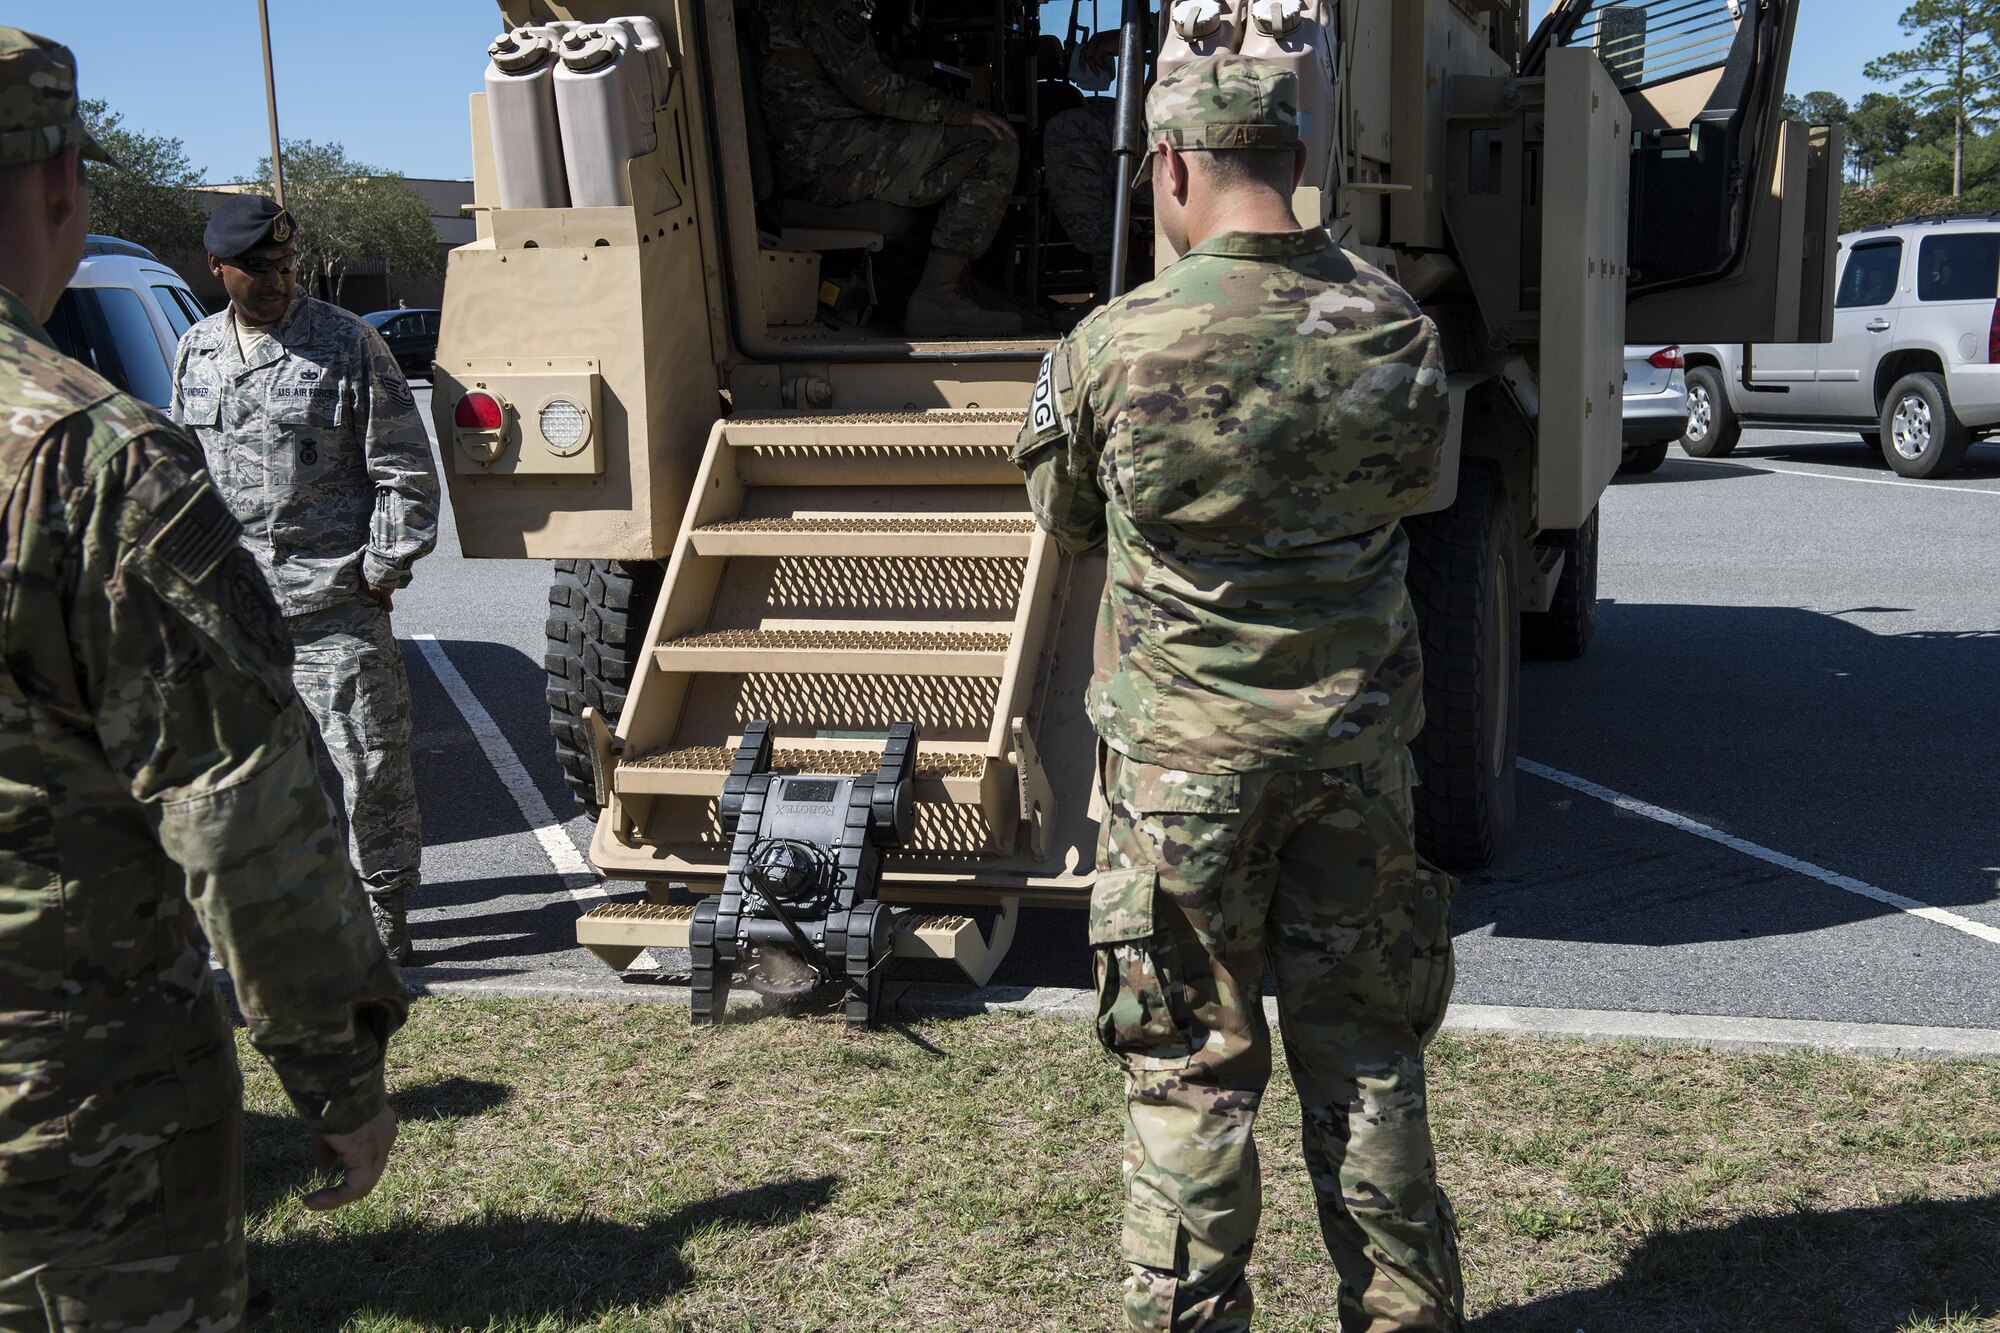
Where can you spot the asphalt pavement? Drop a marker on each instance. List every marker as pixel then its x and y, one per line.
pixel 1767 792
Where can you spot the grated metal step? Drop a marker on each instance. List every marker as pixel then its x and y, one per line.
pixel 838 652
pixel 866 535
pixel 957 776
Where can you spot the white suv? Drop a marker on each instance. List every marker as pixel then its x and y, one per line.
pixel 1914 365
pixel 123 315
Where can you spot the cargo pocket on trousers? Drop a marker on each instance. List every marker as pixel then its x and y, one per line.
pixel 1432 967
pixel 1142 1012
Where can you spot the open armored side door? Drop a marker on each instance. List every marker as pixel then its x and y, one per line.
pixel 1733 208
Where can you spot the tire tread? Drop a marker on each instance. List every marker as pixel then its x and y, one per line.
pixel 598 611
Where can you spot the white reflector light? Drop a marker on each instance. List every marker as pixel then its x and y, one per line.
pixel 563 424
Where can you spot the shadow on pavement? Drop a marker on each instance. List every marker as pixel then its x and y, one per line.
pixel 1858 1270
pixel 504 1271
pixel 462 797
pixel 1831 449
pixel 1677 469
pixel 1799 731
pixel 549 928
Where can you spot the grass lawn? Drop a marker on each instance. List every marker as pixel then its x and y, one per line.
pixel 588 1166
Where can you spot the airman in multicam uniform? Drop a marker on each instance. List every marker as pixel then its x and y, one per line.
pixel 314 439
pixel 1244 434
pixel 846 127
pixel 156 791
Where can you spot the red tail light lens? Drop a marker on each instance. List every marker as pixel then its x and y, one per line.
pixel 479 411
pixel 1667 358
pixel 1993 338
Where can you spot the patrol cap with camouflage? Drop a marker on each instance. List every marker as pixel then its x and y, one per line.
pixel 38 115
pixel 1222 101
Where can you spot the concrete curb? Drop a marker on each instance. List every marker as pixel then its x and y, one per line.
pixel 1713 1031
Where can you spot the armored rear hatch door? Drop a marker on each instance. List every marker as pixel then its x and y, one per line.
pixel 1732 207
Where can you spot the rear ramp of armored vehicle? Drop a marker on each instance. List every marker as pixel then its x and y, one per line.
pixel 836 574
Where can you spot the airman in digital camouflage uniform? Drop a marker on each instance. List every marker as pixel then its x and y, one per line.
pixel 1080 163
pixel 846 127
pixel 314 438
pixel 156 787
pixel 1244 434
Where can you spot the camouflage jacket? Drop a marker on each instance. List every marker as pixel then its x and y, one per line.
pixel 317 448
pixel 1244 433
pixel 155 782
pixel 820 67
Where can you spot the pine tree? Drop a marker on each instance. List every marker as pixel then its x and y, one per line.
pixel 1954 68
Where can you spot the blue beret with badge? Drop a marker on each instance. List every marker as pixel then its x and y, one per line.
pixel 246 222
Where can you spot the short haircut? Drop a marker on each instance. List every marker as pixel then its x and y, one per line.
pixel 1236 168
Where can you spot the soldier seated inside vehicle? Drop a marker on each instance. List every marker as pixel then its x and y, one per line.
pixel 952 133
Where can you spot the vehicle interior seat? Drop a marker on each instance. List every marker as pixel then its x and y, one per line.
pixel 866 226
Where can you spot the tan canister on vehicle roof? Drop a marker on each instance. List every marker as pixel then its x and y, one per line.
pixel 1295 34
pixel 1197 28
pixel 521 114
pixel 606 93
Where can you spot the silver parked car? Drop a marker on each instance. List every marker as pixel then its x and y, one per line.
pixel 1914 365
pixel 1656 406
pixel 123 315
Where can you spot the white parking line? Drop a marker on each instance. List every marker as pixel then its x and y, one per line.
pixel 1829 476
pixel 577 876
pixel 1633 805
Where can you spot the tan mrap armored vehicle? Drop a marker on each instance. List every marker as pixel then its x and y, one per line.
pixel 809 656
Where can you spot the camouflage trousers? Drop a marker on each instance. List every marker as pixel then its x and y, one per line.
pixel 1204 880
pixel 1083 174
pixel 349 672
pixel 151 1241
pixel 962 167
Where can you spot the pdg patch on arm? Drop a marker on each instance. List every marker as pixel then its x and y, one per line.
pixel 1043 415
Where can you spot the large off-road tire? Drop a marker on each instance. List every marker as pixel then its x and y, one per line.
pixel 1921 435
pixel 1466 585
pixel 1562 633
pixel 1712 430
pixel 598 613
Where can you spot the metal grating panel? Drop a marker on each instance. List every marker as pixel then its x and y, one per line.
pixel 874 525
pixel 639 912
pixel 975 417
pixel 882 641
pixel 831 763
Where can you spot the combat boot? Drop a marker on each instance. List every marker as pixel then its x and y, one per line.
pixel 942 305
pixel 391 924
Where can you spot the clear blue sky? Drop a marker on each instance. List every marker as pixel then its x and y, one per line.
pixel 389 78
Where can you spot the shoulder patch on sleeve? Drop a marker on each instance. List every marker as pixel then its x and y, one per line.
pixel 193 540
pixel 1045 412
pixel 850 25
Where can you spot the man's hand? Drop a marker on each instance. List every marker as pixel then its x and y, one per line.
pixel 385 597
pixel 1100 51
pixel 361 1155
pixel 993 125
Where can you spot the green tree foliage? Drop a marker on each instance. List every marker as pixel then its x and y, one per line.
pixel 1954 68
pixel 1873 205
pixel 1817 108
pixel 1882 128
pixel 149 198
pixel 349 212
